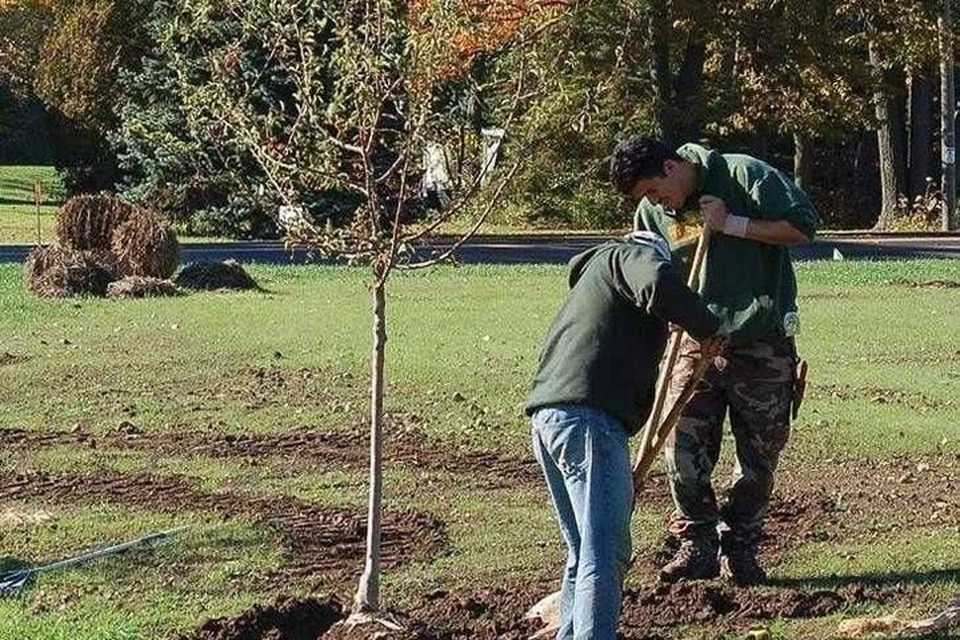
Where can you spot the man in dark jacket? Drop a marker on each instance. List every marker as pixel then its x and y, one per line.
pixel 594 388
pixel 747 279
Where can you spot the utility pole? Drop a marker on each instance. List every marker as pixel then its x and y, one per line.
pixel 948 110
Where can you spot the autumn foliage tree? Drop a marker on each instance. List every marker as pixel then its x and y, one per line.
pixel 23 26
pixel 88 44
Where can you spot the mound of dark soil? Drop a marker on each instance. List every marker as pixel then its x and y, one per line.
pixel 726 607
pixel 211 276
pixel 498 613
pixel 286 619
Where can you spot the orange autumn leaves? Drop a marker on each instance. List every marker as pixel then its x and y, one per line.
pixel 451 34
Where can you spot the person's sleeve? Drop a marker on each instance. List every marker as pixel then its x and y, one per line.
pixel 672 300
pixel 777 197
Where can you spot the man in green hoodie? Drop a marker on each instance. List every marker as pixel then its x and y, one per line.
pixel 755 213
pixel 593 389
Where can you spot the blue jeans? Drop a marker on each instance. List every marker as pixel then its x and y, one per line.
pixel 585 460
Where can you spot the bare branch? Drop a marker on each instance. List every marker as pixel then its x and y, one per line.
pixel 477 180
pixel 386 175
pixel 346 147
pixel 395 238
pixel 443 257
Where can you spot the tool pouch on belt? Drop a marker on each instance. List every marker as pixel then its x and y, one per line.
pixel 799 386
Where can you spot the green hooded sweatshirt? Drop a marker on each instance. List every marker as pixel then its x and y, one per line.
pixel 749 284
pixel 606 341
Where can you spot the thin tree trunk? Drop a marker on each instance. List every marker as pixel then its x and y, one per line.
pixel 897 105
pixel 888 178
pixel 802 159
pixel 688 89
pixel 948 120
pixel 367 598
pixel 921 134
pixel 659 33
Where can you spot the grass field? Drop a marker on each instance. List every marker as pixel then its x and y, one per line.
pixel 18 210
pixel 218 410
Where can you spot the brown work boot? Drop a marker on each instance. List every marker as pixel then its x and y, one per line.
pixel 695 560
pixel 738 563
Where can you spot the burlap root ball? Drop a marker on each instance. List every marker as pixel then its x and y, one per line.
pixel 87 222
pixel 215 275
pixel 57 272
pixel 145 245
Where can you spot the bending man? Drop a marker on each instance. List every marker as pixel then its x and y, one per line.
pixel 594 388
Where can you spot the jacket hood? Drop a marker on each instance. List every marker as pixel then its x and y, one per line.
pixel 656 245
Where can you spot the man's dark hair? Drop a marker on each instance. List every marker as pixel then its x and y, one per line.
pixel 638 157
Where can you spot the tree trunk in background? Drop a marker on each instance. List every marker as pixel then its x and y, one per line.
pixel 659 32
pixel 897 85
pixel 802 159
pixel 888 175
pixel 948 120
pixel 688 89
pixel 921 134
pixel 677 97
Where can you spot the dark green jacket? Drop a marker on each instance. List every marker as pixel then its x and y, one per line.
pixel 749 284
pixel 606 341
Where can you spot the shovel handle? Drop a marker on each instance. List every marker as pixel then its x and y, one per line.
pixel 645 460
pixel 652 428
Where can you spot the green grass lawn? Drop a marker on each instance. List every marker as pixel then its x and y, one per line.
pixel 462 346
pixel 18 210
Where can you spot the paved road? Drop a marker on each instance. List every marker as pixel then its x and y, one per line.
pixel 559 249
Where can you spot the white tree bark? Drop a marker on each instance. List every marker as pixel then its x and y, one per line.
pixel 367 598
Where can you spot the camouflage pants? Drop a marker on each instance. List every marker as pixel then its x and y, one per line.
pixel 754 384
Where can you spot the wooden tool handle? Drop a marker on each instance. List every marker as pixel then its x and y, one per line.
pixel 648 447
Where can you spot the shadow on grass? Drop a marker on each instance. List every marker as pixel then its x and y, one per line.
pixel 15 577
pixel 15 201
pixel 898 577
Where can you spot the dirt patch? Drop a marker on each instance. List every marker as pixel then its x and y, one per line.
pixel 728 608
pixel 12 517
pixel 497 614
pixel 834 501
pixel 926 284
pixel 855 499
pixel 879 395
pixel 323 545
pixel 839 501
pixel 300 450
pixel 938 284
pixel 920 357
pixel 258 387
pixel 286 619
pixel 11 358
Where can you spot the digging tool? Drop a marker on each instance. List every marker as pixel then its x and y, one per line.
pixel 648 444
pixel 14 582
pixel 644 461
pixel 547 609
